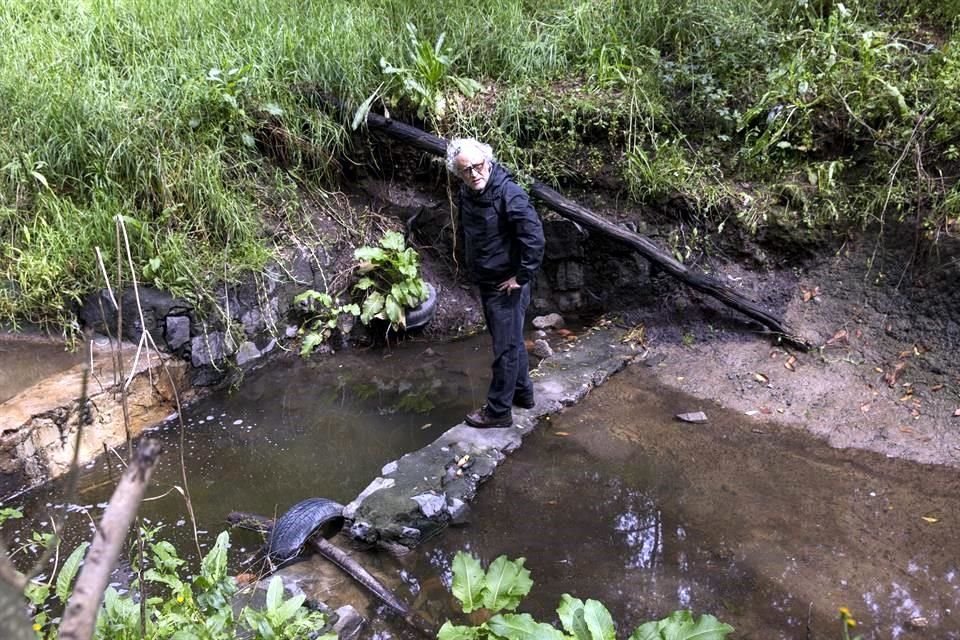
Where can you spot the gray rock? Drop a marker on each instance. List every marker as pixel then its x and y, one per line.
pixel 549 321
pixel 695 417
pixel 247 352
pixel 291 331
pixel 363 531
pixel 270 346
pixel 541 349
pixel 349 511
pixel 431 504
pixel 569 276
pixel 252 322
pixel 459 511
pixel 211 348
pixel 410 533
pixel 349 623
pixel 177 331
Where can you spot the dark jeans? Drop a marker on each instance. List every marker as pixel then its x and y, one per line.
pixel 504 315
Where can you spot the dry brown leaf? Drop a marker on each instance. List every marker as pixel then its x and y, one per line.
pixel 809 294
pixel 891 376
pixel 841 337
pixel 790 363
pixel 930 520
pixel 561 433
pixel 906 430
pixel 762 379
pixel 936 387
pixel 903 355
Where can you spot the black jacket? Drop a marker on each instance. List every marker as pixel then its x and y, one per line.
pixel 502 233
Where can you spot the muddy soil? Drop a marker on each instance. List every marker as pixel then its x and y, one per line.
pixel 882 374
pixel 881 311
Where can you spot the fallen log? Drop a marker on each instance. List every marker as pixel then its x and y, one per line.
pixel 430 143
pixel 351 567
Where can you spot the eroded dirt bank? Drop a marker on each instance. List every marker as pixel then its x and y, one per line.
pixel 883 374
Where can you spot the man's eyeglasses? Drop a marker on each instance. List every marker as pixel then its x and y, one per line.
pixel 469 170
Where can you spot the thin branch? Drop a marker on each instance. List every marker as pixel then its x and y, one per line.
pixel 80 614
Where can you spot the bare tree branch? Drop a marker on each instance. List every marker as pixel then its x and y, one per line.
pixel 80 615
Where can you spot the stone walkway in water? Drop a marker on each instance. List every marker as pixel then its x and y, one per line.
pixel 422 492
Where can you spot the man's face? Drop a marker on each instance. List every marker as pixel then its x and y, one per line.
pixel 473 169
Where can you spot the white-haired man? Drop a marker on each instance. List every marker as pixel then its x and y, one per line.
pixel 503 242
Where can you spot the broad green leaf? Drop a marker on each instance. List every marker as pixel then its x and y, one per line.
pixel 274 593
pixel 646 631
pixel 363 284
pixel 506 583
pixel 369 254
pixel 69 571
pixel 310 342
pixel 39 177
pixel 372 306
pixel 360 116
pixel 455 632
pixel 467 86
pixel 580 629
pixel 599 621
pixel 214 564
pixel 680 625
pixel 522 626
pixel 394 311
pixel 567 609
pixel 467 581
pixel 288 609
pixel 392 240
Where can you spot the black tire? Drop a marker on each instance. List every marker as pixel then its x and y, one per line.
pixel 420 315
pixel 302 520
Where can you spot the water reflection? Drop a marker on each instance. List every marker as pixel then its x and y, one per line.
pixel 614 500
pixel 296 429
pixel 642 532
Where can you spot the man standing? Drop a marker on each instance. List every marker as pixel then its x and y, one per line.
pixel 504 248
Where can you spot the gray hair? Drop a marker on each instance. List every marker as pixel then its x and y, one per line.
pixel 458 145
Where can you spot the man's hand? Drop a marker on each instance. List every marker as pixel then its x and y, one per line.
pixel 509 285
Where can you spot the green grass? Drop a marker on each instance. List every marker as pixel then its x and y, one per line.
pixel 169 114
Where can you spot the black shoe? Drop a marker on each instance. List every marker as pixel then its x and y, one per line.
pixel 524 402
pixel 483 419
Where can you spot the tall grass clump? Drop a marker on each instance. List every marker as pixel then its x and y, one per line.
pixel 190 119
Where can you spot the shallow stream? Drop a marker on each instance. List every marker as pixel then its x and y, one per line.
pixel 765 527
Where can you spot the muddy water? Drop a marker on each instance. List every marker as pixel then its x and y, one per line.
pixel 294 429
pixel 613 499
pixel 25 362
pixel 767 529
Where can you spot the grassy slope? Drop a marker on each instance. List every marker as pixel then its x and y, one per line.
pixel 139 109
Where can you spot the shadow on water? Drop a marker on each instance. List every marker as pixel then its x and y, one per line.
pixel 295 429
pixel 766 528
